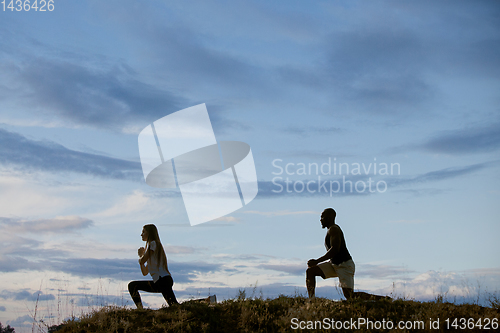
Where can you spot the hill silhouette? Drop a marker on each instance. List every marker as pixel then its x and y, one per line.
pixel 288 314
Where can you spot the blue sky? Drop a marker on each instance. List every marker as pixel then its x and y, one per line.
pixel 413 84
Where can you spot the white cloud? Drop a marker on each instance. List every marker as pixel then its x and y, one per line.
pixel 227 219
pixel 25 321
pixel 59 224
pixel 282 212
pixel 20 197
pixel 454 286
pixel 181 249
pixel 136 206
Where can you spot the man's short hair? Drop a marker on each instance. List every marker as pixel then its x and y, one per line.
pixel 330 212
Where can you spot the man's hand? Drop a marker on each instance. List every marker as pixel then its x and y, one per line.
pixel 312 263
pixel 141 251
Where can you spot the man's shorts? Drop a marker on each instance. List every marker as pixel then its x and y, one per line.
pixel 344 271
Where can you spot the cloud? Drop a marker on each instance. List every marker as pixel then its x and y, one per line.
pixel 379 66
pixel 88 301
pixel 228 219
pixel 364 270
pixel 10 263
pixel 119 269
pixel 348 184
pixel 23 321
pixel 315 187
pixel 175 47
pixel 133 204
pixel 59 224
pixel 3 309
pixel 309 154
pixel 20 151
pixel 193 56
pixel 312 130
pixel 108 97
pixel 282 212
pixel 292 269
pixel 385 68
pixel 397 66
pixel 189 271
pixel 182 249
pixel 465 141
pixel 25 295
pixel 380 271
pixel 112 95
pixel 18 253
pixel 442 174
pixel 457 287
pixel 127 269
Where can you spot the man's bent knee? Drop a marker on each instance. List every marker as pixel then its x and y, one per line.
pixel 312 272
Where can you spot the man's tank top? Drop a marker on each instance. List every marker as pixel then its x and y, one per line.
pixel 343 254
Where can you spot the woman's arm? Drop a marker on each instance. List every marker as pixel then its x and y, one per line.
pixel 144 269
pixel 143 260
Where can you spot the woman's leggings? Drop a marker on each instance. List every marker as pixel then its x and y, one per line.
pixel 163 285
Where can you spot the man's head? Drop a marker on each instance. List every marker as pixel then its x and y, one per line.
pixel 328 218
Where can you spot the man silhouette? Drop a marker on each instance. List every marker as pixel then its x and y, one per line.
pixel 336 262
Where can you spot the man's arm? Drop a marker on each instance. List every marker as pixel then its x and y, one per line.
pixel 334 234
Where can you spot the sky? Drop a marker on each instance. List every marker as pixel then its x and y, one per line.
pixel 387 111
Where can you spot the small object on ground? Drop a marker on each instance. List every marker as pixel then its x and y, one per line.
pixel 210 299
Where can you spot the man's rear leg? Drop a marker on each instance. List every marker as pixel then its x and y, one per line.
pixel 311 273
pixel 349 293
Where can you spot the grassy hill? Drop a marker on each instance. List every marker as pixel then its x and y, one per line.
pixel 277 315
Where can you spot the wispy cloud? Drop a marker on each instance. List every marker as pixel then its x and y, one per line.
pixel 19 151
pixel 127 269
pixel 111 97
pixel 442 174
pixel 14 263
pixel 118 269
pixel 280 187
pixel 25 321
pixel 181 249
pixel 228 219
pixel 455 286
pixel 26 295
pixel 292 269
pixel 362 270
pixel 312 130
pixel 379 66
pixel 380 271
pixel 282 212
pixel 465 141
pixel 60 224
pixel 339 186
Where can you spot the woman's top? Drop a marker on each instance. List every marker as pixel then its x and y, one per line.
pixel 156 269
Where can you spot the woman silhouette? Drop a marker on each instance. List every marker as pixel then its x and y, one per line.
pixel 156 260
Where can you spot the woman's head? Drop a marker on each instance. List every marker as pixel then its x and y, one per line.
pixel 150 233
